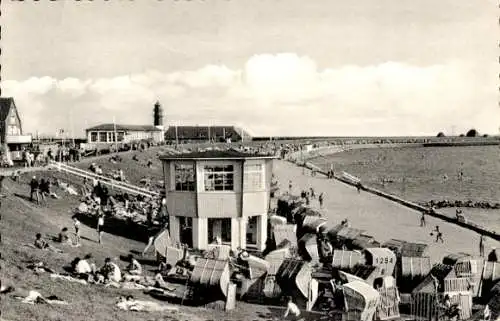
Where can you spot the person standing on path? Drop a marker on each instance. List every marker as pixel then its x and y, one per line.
pixel 34 187
pixel 358 187
pixel 320 200
pixel 76 224
pixel 100 226
pixel 313 196
pixel 481 246
pixel 422 219
pixel 290 186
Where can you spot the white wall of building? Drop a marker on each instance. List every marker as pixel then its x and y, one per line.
pixel 128 136
pixel 243 201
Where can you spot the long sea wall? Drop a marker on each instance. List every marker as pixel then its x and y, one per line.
pixel 300 158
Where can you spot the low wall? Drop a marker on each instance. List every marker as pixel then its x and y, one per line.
pixel 302 156
pixel 469 225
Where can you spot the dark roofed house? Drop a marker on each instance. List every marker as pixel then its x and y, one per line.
pixel 205 133
pixel 11 130
pixel 105 133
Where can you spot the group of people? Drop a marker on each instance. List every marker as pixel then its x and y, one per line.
pixel 308 195
pixel 86 270
pixel 40 190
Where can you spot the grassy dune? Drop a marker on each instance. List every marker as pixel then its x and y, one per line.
pixel 21 220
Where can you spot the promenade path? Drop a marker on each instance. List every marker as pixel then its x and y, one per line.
pixel 381 218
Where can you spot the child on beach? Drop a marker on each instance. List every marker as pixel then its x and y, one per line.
pixel 76 224
pixel 100 226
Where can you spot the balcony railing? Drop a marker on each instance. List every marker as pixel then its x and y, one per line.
pixel 18 139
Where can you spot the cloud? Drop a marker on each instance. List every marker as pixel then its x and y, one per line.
pixel 282 94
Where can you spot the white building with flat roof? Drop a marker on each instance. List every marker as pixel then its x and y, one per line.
pixel 218 194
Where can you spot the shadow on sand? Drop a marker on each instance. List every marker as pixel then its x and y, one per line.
pixel 276 313
pixel 142 261
pixel 118 227
pixel 24 197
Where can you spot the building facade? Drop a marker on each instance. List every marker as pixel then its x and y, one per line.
pixel 11 130
pixel 186 134
pixel 218 194
pixel 111 133
pixel 126 134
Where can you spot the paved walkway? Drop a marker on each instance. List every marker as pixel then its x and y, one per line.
pixel 381 218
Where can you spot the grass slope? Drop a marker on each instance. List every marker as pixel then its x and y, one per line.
pixel 21 220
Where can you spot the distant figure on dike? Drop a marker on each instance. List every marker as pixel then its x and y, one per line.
pixel 422 219
pixel 358 187
pixel 439 235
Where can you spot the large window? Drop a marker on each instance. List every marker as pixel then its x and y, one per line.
pixel 219 228
pixel 184 177
pixel 93 136
pixel 13 130
pixel 253 178
pixel 219 178
pixel 103 137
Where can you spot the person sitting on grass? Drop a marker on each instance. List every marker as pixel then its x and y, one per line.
pixel 40 243
pixel 111 271
pixel 134 267
pixel 83 268
pixel 63 236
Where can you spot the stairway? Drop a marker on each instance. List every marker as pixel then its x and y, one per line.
pixel 126 187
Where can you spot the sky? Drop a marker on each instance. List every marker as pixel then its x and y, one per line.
pixel 275 67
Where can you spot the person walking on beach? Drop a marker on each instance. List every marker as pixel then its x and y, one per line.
pixel 313 196
pixel 422 219
pixel 290 186
pixel 439 235
pixel 320 200
pixel 481 246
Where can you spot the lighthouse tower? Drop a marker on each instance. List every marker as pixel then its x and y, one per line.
pixel 158 116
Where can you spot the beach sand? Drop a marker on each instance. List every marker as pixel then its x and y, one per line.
pixel 381 218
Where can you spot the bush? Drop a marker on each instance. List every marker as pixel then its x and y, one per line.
pixel 440 134
pixel 485 135
pixel 462 135
pixel 472 133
